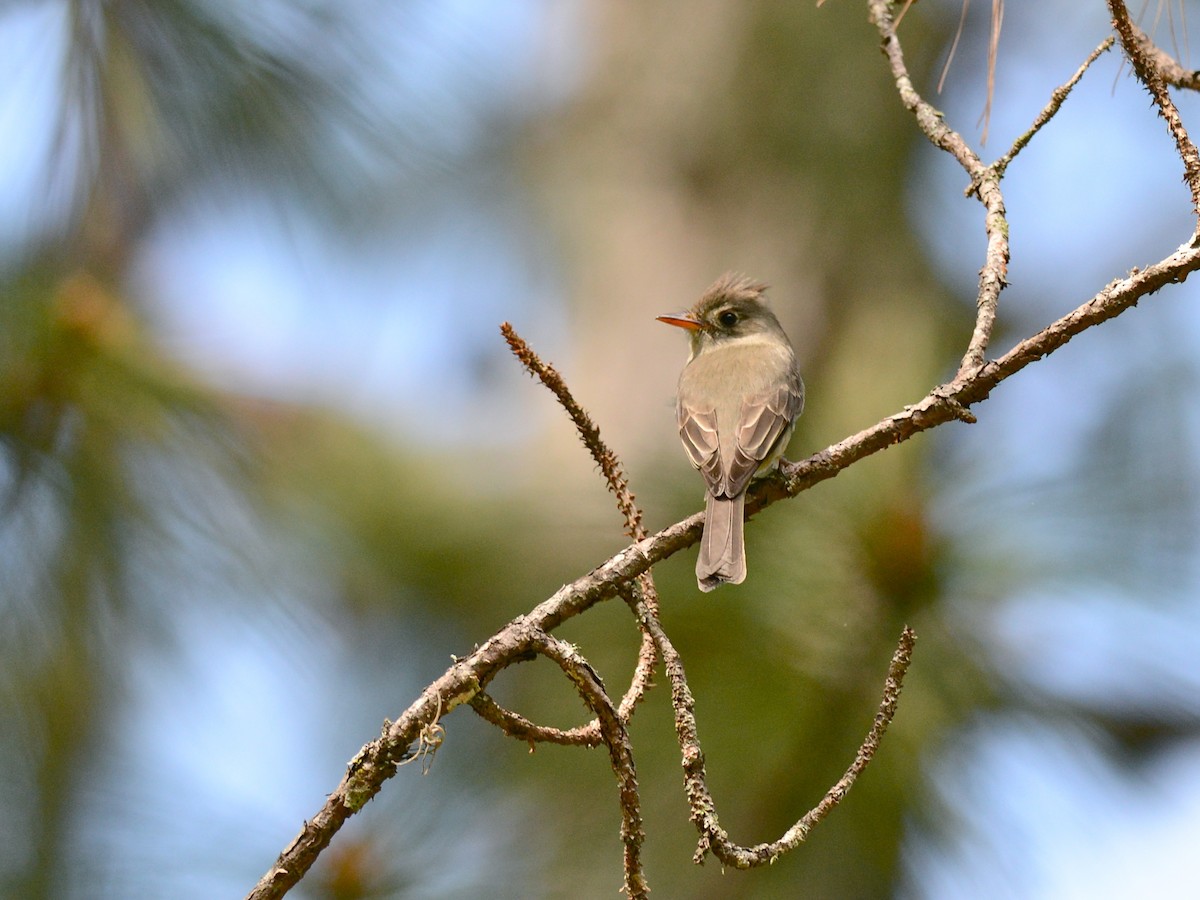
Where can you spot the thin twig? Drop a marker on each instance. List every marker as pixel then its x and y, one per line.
pixel 513 723
pixel 516 725
pixel 609 465
pixel 993 275
pixel 1057 97
pixel 715 840
pixel 929 119
pixel 795 835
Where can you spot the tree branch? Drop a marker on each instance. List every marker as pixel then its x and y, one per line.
pixel 610 466
pixel 713 838
pixel 377 760
pixel 625 573
pixel 985 184
pixel 951 400
pixel 1168 67
pixel 1144 59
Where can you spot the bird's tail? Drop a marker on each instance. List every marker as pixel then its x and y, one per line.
pixel 722 548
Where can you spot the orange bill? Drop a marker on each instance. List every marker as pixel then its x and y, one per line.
pixel 680 320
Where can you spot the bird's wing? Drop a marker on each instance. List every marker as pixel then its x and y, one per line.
pixel 698 431
pixel 765 422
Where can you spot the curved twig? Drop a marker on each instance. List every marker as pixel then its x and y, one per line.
pixel 620 752
pixel 713 838
pixel 611 731
pixel 517 726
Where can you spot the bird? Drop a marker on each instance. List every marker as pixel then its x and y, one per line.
pixel 738 399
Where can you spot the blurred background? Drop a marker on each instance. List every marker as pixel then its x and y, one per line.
pixel 265 463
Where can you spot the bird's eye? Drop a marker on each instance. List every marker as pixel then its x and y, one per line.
pixel 728 318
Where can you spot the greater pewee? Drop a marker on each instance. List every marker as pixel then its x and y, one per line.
pixel 739 397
